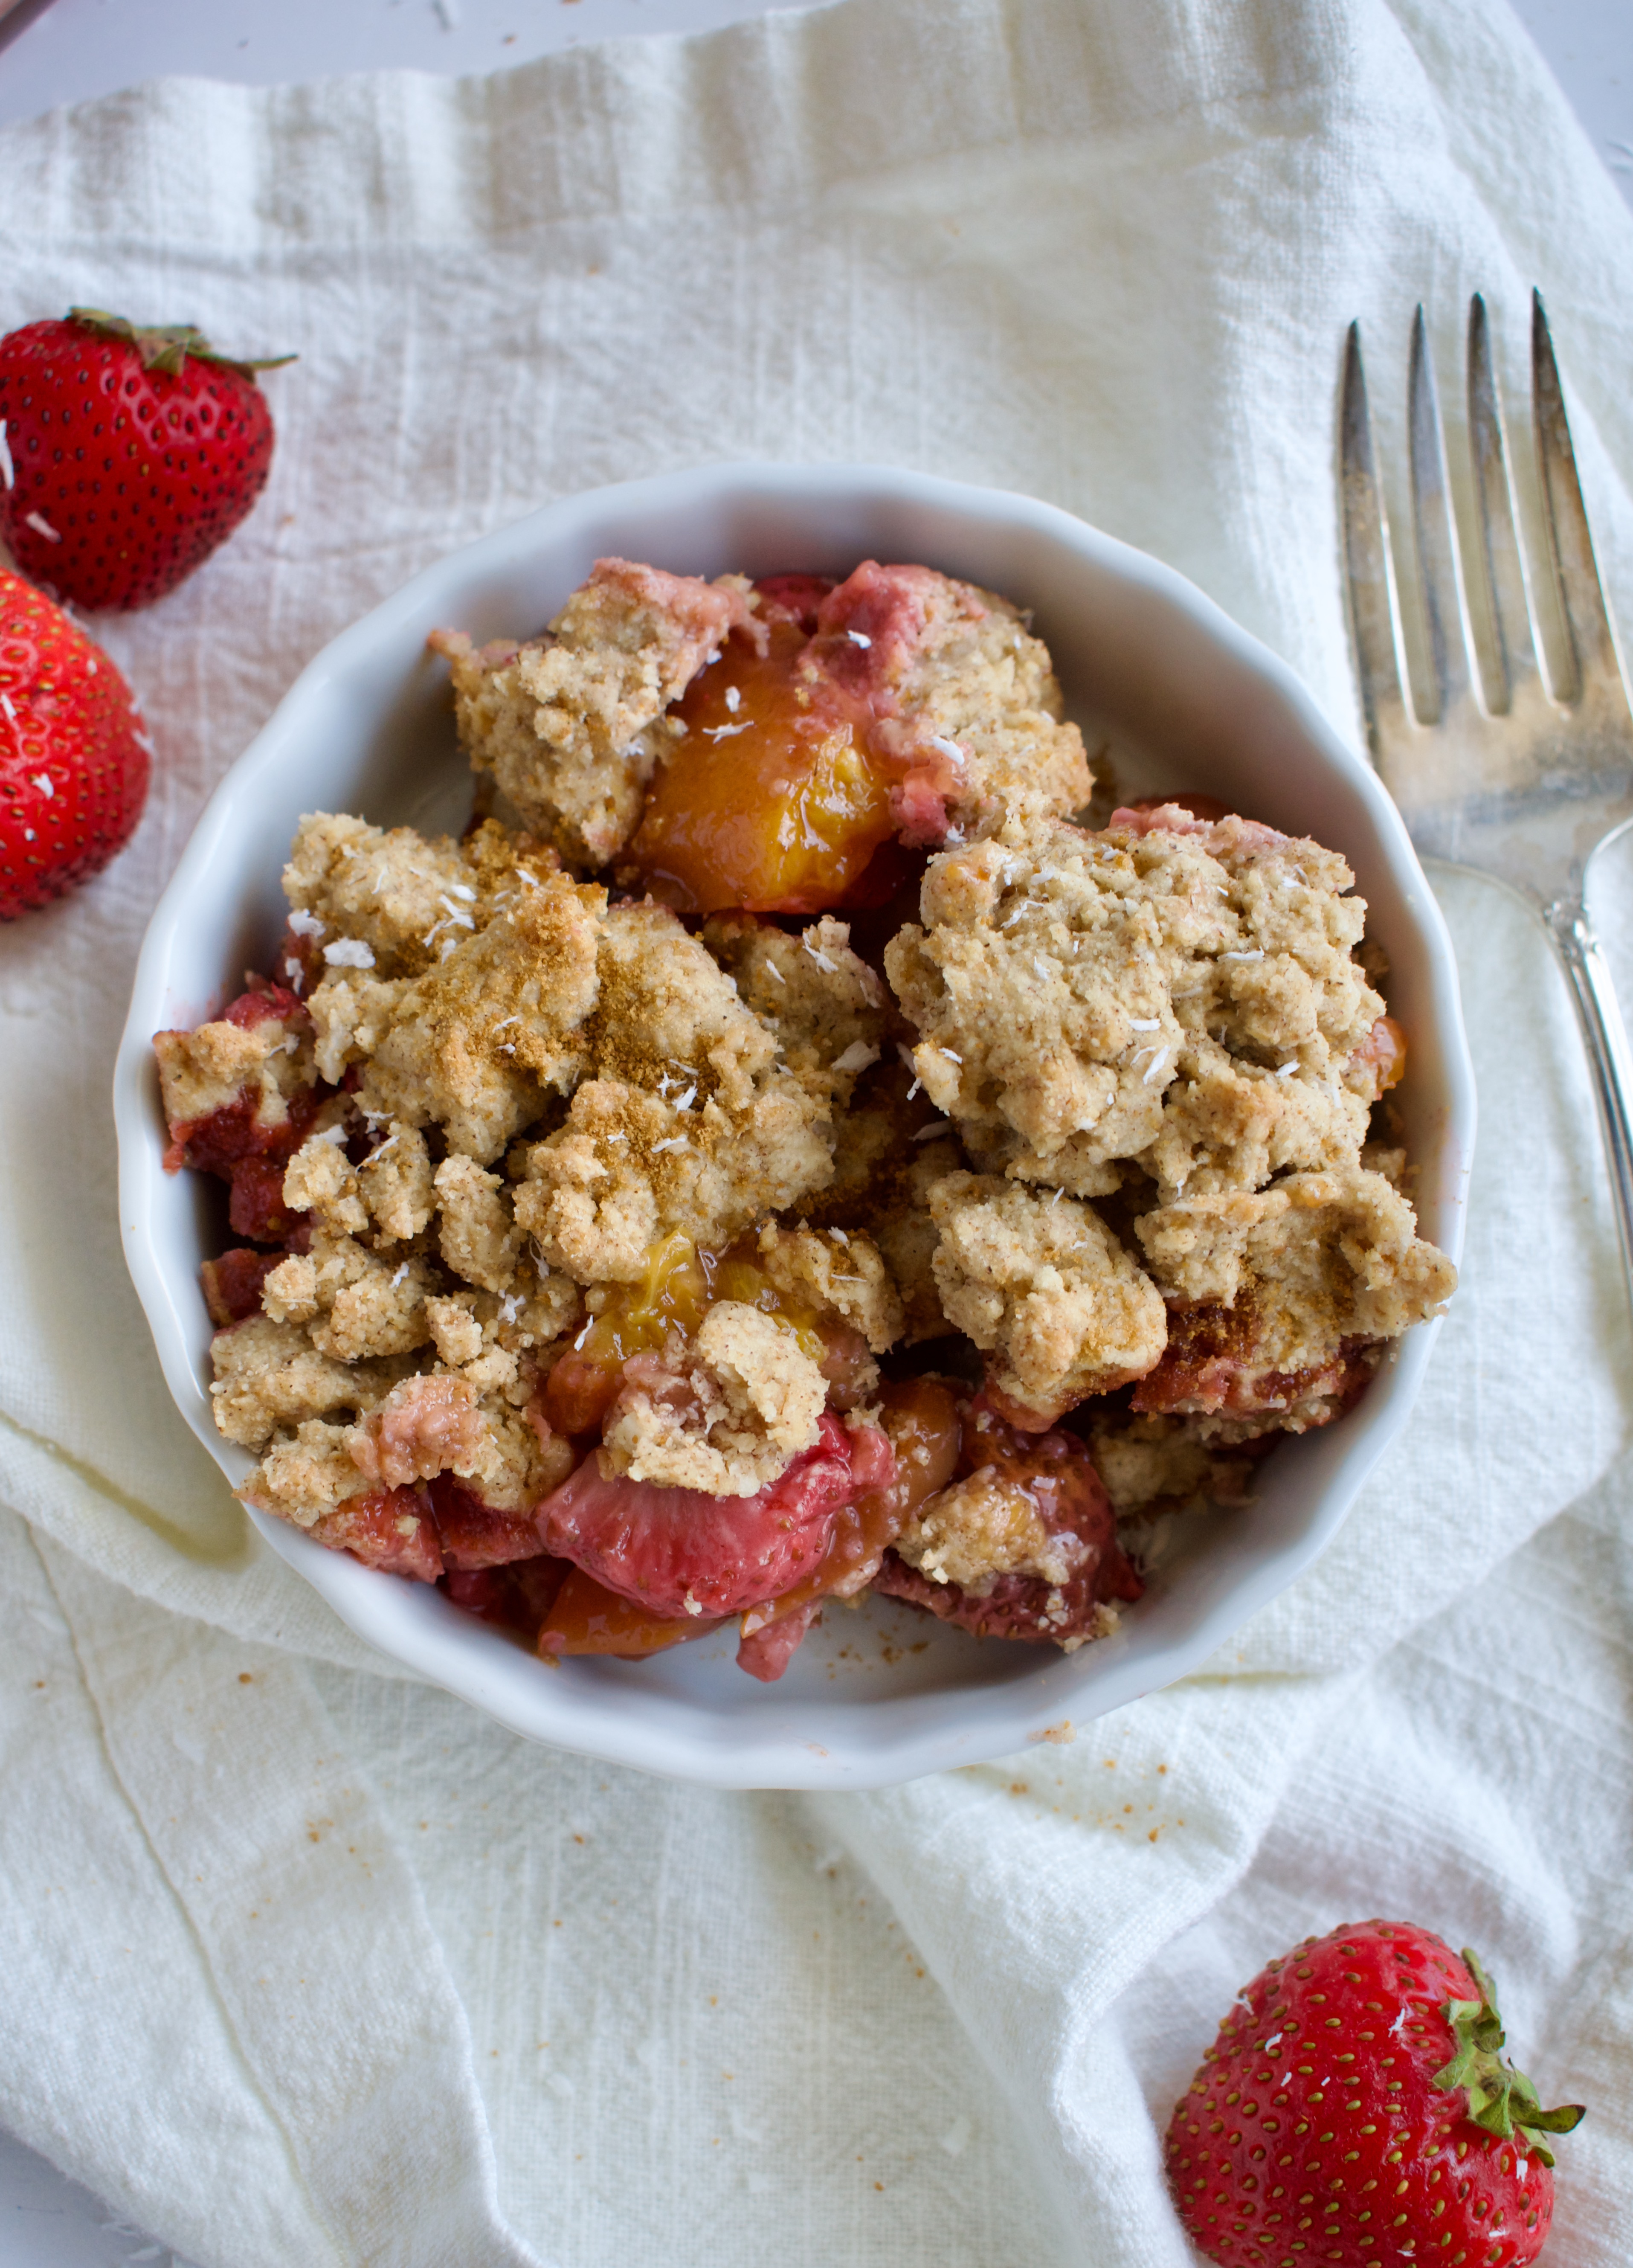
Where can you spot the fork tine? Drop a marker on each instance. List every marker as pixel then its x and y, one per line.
pixel 1366 561
pixel 1437 538
pixel 1511 616
pixel 1570 547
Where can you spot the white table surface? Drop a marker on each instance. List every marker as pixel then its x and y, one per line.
pixel 73 49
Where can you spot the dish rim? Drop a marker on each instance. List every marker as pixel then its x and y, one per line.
pixel 452 1650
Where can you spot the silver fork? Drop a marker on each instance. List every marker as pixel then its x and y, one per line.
pixel 1498 768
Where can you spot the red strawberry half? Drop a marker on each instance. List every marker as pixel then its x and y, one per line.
pixel 1355 2108
pixel 125 455
pixel 74 754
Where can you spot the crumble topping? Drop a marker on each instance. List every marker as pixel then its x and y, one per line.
pixel 1303 1271
pixel 1182 997
pixel 983 1528
pixel 227 1064
pixel 971 694
pixel 673 1243
pixel 1043 1285
pixel 687 1123
pixel 827 1009
pixel 723 1416
pixel 570 725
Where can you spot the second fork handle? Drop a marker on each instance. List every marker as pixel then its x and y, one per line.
pixel 1609 1056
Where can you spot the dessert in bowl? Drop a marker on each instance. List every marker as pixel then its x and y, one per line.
pixel 780 1153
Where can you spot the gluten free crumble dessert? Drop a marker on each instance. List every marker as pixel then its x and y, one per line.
pixel 779 1151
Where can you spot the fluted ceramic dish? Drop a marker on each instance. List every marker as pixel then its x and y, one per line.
pixel 881 1693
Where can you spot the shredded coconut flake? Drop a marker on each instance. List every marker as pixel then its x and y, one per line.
pixel 5 704
pixel 42 781
pixel 773 970
pixel 1145 1023
pixel 829 968
pixel 348 952
pixel 674 1142
pixel 856 639
pixel 857 1056
pixel 722 731
pixel 41 526
pixel 948 748
pixel 7 473
pixel 1286 1069
pixel 733 699
pixel 1257 953
pixel 1158 1063
pixel 928 1133
pixel 401 1273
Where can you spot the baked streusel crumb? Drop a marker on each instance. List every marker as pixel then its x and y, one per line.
pixel 779 1150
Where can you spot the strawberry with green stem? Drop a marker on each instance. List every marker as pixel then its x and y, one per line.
pixel 1355 2108
pixel 127 453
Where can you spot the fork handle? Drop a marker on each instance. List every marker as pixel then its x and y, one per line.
pixel 1608 1054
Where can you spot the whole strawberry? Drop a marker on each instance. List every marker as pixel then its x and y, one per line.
pixel 125 455
pixel 1355 2109
pixel 74 756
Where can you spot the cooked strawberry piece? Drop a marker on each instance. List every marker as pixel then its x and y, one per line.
pixel 774 802
pixel 215 1144
pixel 256 1207
pixel 873 623
pixel 478 1590
pixel 766 1651
pixel 263 1003
pixel 300 962
pixel 677 1551
pixel 578 1393
pixel 587 1618
pixel 232 1284
pixel 1023 1607
pixel 1208 1368
pixel 794 599
pixel 517 1597
pixel 473 1534
pixel 893 1471
pixel 1070 1498
pixel 388 1528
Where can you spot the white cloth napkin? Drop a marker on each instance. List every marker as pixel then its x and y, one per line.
pixel 307 1962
